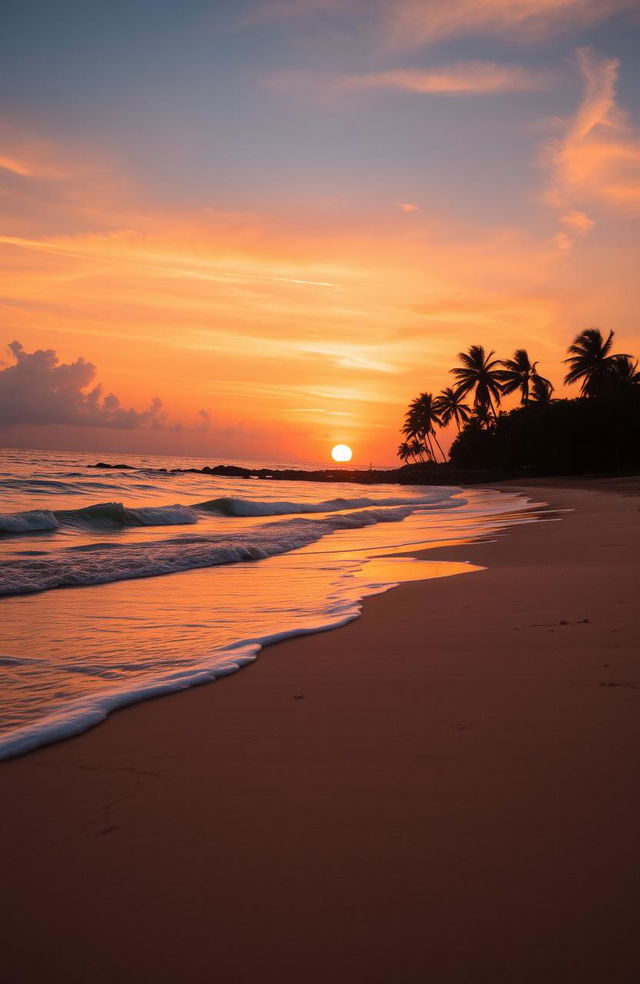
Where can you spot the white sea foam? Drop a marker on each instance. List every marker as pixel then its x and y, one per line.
pixel 115 515
pixel 100 563
pixel 104 515
pixel 75 716
pixel 229 506
pixel 79 715
pixel 70 657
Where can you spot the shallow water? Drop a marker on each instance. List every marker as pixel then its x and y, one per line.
pixel 88 623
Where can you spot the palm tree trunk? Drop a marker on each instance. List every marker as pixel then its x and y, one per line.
pixel 444 457
pixel 429 445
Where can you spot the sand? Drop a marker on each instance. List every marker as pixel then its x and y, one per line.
pixel 454 798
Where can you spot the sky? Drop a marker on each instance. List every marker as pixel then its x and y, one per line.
pixel 257 228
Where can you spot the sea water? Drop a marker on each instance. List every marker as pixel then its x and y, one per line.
pixel 117 585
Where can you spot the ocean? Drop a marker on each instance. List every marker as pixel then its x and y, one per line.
pixel 119 585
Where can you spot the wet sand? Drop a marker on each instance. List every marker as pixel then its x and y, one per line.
pixel 454 797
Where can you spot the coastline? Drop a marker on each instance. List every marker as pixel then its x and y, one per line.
pixel 459 806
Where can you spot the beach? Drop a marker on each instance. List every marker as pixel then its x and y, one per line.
pixel 460 806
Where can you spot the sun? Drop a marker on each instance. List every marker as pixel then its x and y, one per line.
pixel 341 452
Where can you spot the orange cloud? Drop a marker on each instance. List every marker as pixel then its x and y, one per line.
pixel 462 79
pixel 598 158
pixel 15 166
pixel 562 240
pixel 412 23
pixel 408 24
pixel 577 221
pixel 290 329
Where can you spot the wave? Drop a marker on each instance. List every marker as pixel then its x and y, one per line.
pixel 39 486
pixel 105 515
pixel 115 515
pixel 101 565
pixel 72 717
pixel 77 716
pixel 229 506
pixel 102 516
pixel 32 521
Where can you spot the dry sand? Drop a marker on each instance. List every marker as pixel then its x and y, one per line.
pixel 454 798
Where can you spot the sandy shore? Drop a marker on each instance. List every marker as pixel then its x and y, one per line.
pixel 454 799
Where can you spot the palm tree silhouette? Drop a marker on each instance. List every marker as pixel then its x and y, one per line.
pixel 405 451
pixel 419 423
pixel 449 406
pixel 591 361
pixel 625 371
pixel 519 373
pixel 541 390
pixel 417 450
pixel 413 449
pixel 479 372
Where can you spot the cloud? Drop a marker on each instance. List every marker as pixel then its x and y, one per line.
pixel 596 162
pixel 465 78
pixel 55 187
pixel 38 389
pixel 598 158
pixel 563 240
pixel 409 24
pixel 575 225
pixel 412 23
pixel 407 207
pixel 15 166
pixel 578 222
pixel 459 79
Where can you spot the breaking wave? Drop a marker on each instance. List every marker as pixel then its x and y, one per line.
pixel 229 506
pixel 115 515
pixel 101 563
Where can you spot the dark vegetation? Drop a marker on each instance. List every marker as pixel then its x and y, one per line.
pixel 596 432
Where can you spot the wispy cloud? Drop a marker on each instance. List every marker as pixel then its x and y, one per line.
pixel 409 24
pixel 412 23
pixel 466 78
pixel 574 225
pixel 578 222
pixel 15 166
pixel 597 159
pixel 471 78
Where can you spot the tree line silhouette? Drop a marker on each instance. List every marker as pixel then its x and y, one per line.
pixel 599 430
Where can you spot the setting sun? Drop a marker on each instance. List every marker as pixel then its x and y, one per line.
pixel 341 452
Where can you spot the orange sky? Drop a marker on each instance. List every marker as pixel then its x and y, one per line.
pixel 284 307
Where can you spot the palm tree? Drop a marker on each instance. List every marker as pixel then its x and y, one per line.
pixel 520 374
pixel 419 423
pixel 405 451
pixel 625 371
pixel 449 406
pixel 417 450
pixel 541 390
pixel 591 361
pixel 479 372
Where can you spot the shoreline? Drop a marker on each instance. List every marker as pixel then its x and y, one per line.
pixel 459 806
pixel 424 473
